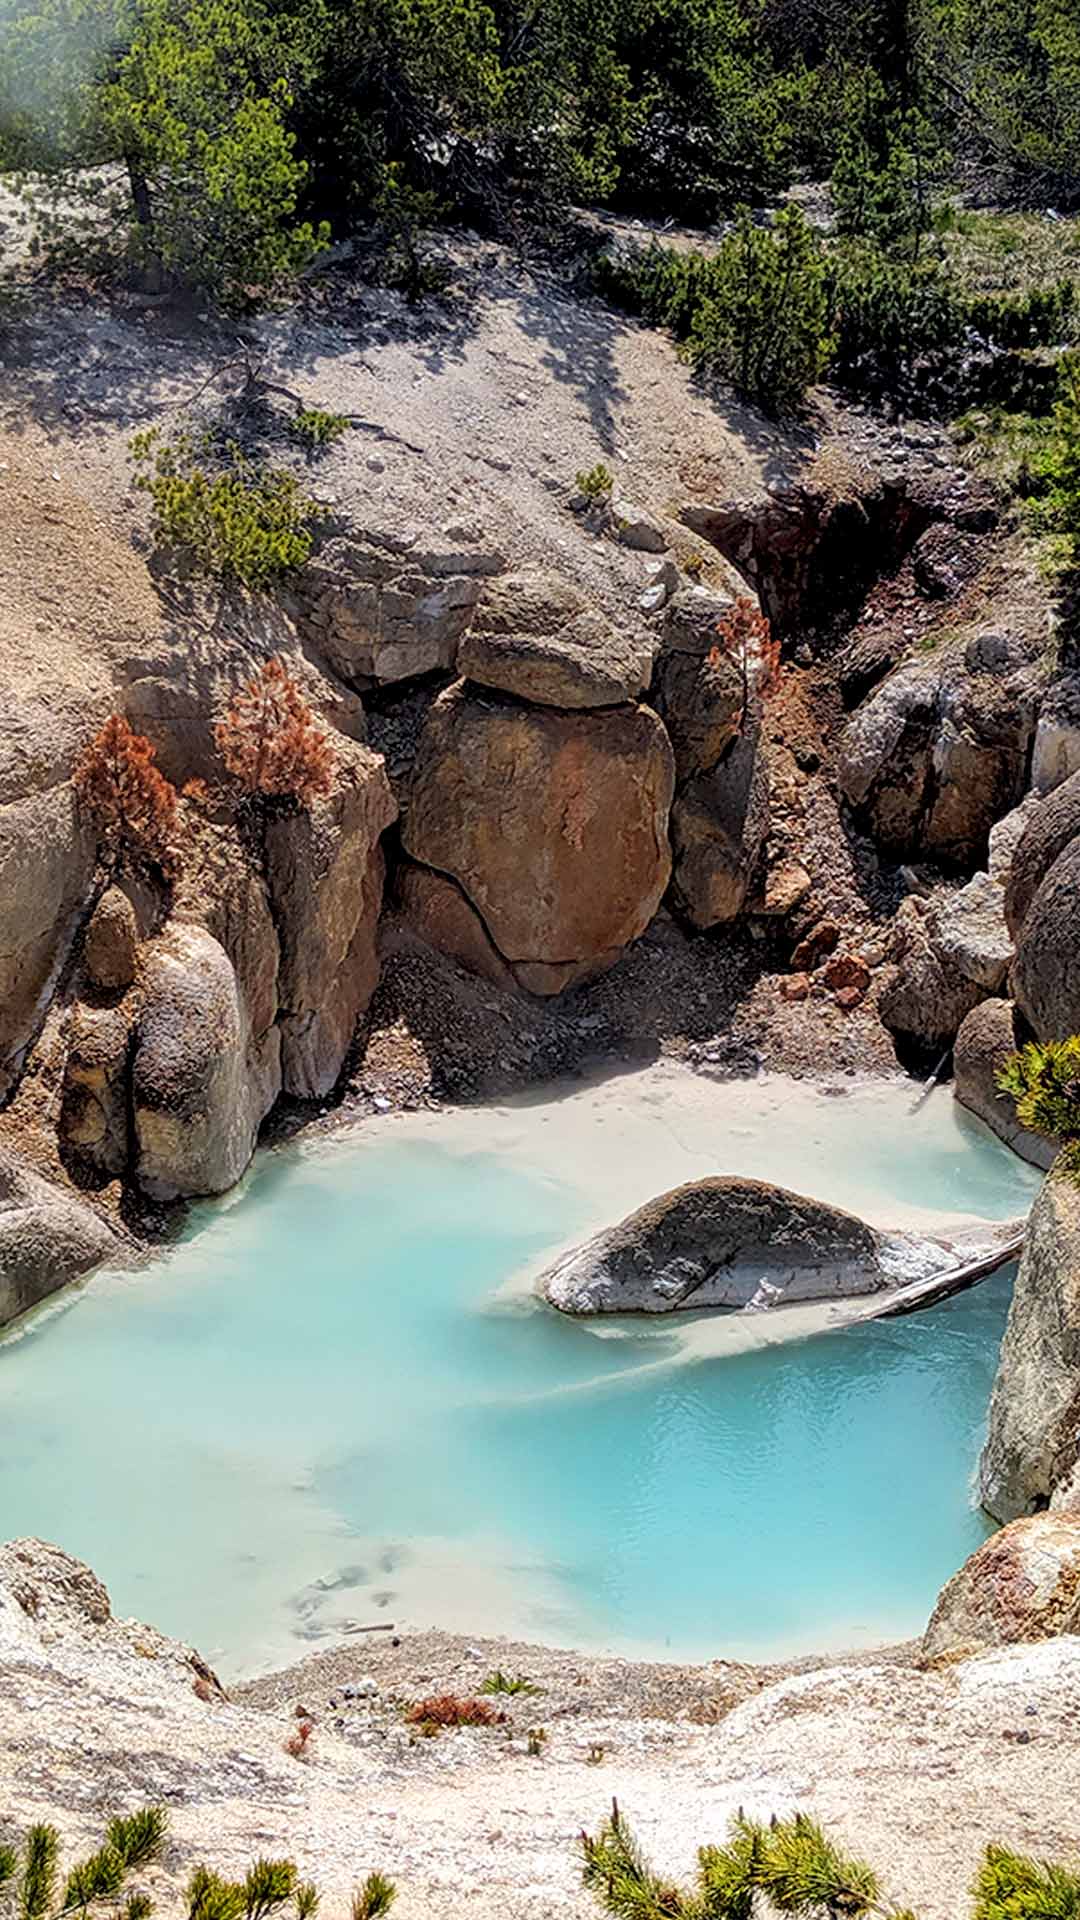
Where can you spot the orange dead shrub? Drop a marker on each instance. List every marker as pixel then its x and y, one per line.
pixel 129 800
pixel 271 742
pixel 744 636
pixel 298 1743
pixel 450 1710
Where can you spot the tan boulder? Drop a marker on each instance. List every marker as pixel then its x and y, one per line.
pixel 47 1237
pixel 534 635
pixel 325 870
pixel 437 910
pixel 1033 1435
pixel 1022 1584
pixel 389 606
pixel 554 825
pixel 111 942
pixel 1046 971
pixel 47 857
pixel 987 1037
pixel 198 1092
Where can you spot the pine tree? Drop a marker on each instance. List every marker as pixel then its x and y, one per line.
pixel 129 800
pixel 271 742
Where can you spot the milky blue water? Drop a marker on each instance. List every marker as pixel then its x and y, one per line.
pixel 316 1413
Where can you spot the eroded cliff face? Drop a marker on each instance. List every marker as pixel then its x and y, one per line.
pixel 1030 1460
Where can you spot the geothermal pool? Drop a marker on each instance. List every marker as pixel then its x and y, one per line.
pixel 336 1401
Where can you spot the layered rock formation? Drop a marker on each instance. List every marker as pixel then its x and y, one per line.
pixel 1031 1456
pixel 729 1243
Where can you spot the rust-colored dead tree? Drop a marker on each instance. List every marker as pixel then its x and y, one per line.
pixel 271 742
pixel 744 635
pixel 132 805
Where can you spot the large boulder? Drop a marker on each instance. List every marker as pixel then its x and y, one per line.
pixel 1021 1584
pixel 968 932
pixel 939 752
pixel 1051 825
pixel 1031 1448
pixel 325 868
pixel 719 825
pixel 47 856
pixel 1046 972
pixel 927 996
pixel 391 606
pixel 47 1237
pixel 987 1037
pixel 554 826
pixel 198 1095
pixel 720 1242
pixel 536 636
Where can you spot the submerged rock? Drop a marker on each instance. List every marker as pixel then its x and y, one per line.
pixel 1033 1443
pixel 727 1242
pixel 1021 1584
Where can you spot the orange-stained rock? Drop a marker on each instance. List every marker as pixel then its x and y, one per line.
pixel 1021 1584
pixel 554 826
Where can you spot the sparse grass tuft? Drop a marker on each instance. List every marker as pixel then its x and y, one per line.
pixel 500 1682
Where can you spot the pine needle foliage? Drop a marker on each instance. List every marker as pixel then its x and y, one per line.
pixel 267 1885
pixel 500 1682
pixel 376 1896
pixel 271 742
pixel 1010 1887
pixel 132 805
pixel 1043 1080
pixel 38 1885
pixel 792 1867
pixel 98 1878
pixel 224 516
pixel 137 1837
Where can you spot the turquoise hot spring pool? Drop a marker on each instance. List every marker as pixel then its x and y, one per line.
pixel 335 1401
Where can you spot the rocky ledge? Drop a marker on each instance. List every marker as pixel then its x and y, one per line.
pixel 914 1769
pixel 726 1242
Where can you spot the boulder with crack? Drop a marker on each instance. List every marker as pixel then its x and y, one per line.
pixel 552 826
pixel 939 751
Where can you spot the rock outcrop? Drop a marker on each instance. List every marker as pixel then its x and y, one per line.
pixel 723 1242
pixel 47 1237
pixel 1056 753
pixel 927 997
pixel 391 606
pixel 939 751
pixel 325 871
pixel 719 825
pixel 535 635
pixel 1021 1584
pixel 1050 826
pixel 110 948
pixel 1046 972
pixel 987 1037
pixel 198 1094
pixel 1033 1440
pixel 553 825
